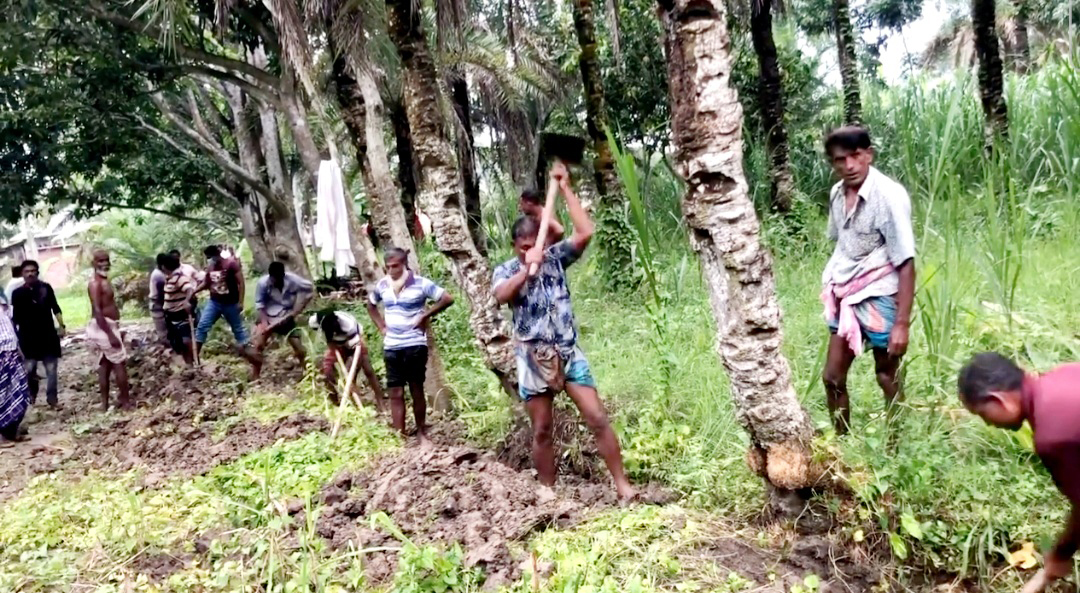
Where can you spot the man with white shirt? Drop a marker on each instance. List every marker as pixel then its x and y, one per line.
pixel 869 282
pixel 280 297
pixel 13 284
pixel 404 296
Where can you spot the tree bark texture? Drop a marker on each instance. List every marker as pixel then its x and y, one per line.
pixel 441 195
pixel 466 154
pixel 614 233
pixel 707 132
pixel 771 98
pixel 1021 58
pixel 403 147
pixel 991 79
pixel 849 65
pixel 362 111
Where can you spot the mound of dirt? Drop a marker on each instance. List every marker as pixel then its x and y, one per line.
pixel 574 444
pixel 184 423
pixel 446 495
pixel 185 438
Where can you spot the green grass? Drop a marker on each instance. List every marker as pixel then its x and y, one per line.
pixel 75 305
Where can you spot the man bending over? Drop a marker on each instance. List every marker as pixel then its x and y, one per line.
pixel 549 359
pixel 1001 393
pixel 279 297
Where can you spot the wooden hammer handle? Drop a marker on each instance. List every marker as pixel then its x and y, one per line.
pixel 545 220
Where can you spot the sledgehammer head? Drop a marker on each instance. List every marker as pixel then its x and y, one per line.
pixel 568 149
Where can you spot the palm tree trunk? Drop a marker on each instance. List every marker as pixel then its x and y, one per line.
pixel 991 80
pixel 441 193
pixel 466 154
pixel 771 98
pixel 849 65
pixel 706 125
pixel 1021 58
pixel 613 233
pixel 403 147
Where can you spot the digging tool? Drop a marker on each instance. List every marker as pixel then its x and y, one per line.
pixel 348 389
pixel 569 150
pixel 194 345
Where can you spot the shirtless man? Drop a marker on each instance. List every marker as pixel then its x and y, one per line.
pixel 103 332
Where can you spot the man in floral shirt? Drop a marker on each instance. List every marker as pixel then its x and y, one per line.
pixel 549 359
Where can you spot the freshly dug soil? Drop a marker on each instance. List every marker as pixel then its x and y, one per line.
pixel 575 446
pixel 450 494
pixel 184 422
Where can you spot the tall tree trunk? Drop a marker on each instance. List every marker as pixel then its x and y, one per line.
pixel 1021 58
pixel 278 213
pixel 364 122
pixel 706 125
pixel 441 194
pixel 991 80
pixel 466 154
pixel 771 98
pixel 849 65
pixel 311 159
pixel 614 234
pixel 403 147
pixel 252 227
pixel 259 149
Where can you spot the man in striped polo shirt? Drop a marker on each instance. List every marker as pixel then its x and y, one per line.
pixel 404 324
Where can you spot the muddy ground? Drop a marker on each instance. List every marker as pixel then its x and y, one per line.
pixel 487 501
pixel 184 422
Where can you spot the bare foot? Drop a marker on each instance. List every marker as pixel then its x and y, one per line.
pixel 423 440
pixel 627 494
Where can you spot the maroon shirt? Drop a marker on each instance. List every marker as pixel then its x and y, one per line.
pixel 224 287
pixel 1051 404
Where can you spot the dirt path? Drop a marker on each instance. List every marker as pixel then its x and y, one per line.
pixel 185 422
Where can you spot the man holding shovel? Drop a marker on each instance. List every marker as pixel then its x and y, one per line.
pixel 279 297
pixel 549 359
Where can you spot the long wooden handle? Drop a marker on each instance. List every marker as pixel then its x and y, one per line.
pixel 545 220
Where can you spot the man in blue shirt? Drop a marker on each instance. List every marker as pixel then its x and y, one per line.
pixel 549 359
pixel 279 297
pixel 404 296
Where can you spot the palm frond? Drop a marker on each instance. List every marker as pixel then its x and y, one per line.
pixel 172 17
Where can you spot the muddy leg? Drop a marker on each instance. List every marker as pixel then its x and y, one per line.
pixel 329 370
pixel 419 405
pixel 298 350
pixel 397 408
pixel 592 410
pixel 887 368
pixel 104 368
pixel 837 364
pixel 122 385
pixel 543 446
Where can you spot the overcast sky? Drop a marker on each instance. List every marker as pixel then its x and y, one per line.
pixel 914 39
